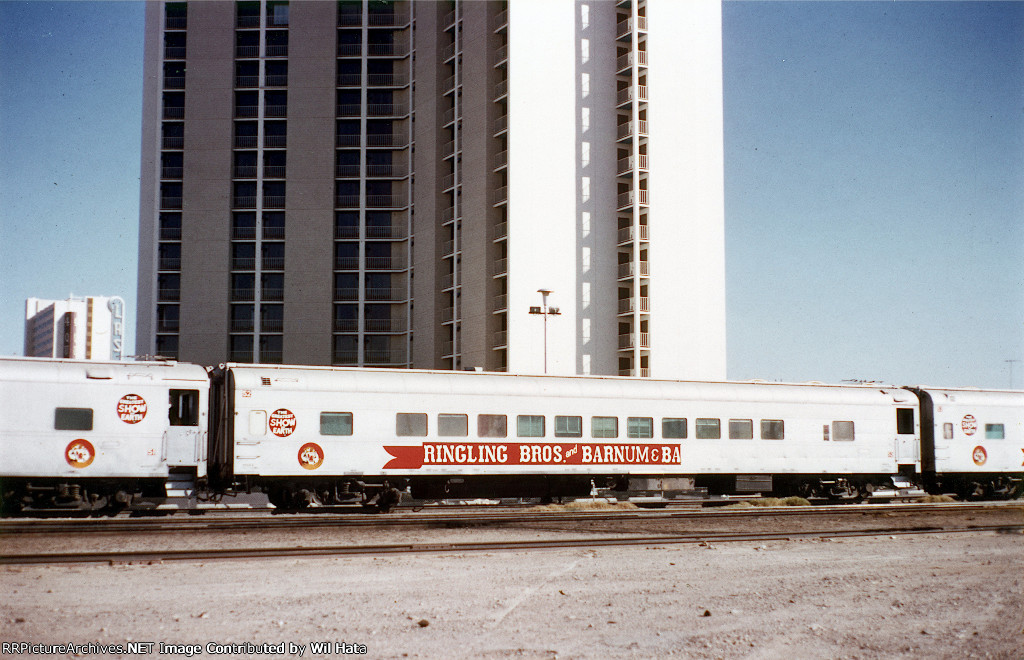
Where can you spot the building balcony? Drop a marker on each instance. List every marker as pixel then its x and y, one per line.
pixel 501 90
pixel 342 358
pixel 501 302
pixel 272 263
pixel 274 171
pixel 169 325
pixel 346 201
pixel 386 201
pixel 501 55
pixel 630 305
pixel 633 340
pixel 246 202
pixel 501 125
pixel 386 294
pixel 349 80
pixel 273 233
pixel 501 231
pixel 448 52
pixel 346 325
pixel 272 293
pixel 275 111
pixel 346 171
pixel 174 112
pixel 271 357
pixel 392 19
pixel 630 163
pixel 170 202
pixel 389 171
pixel 643 372
pixel 626 61
pixel 170 233
pixel 174 82
pixel 387 50
pixel 247 21
pixel 500 196
pixel 243 233
pixel 450 314
pixel 500 339
pixel 627 199
pixel 501 21
pixel 350 19
pixel 169 263
pixel 243 295
pixel 172 142
pixel 449 181
pixel 388 233
pixel 628 270
pixel 350 50
pixel 625 28
pixel 277 50
pixel 176 22
pixel 171 172
pixel 499 268
pixel 247 52
pixel 447 281
pixel 447 349
pixel 174 52
pixel 448 248
pixel 243 263
pixel 247 81
pixel 387 80
pixel 347 293
pixel 387 110
pixel 276 80
pixel 627 95
pixel 629 234
pixel 278 141
pixel 346 263
pixel 244 171
pixel 348 140
pixel 241 325
pixel 385 263
pixel 500 160
pixel 386 325
pixel 246 141
pixel 273 201
pixel 627 131
pixel 385 357
pixel 168 295
pixel 388 140
pixel 346 232
pixel 272 325
pixel 245 111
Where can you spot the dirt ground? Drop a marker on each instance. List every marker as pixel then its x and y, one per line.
pixel 904 596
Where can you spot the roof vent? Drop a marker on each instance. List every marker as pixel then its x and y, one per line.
pixel 266 382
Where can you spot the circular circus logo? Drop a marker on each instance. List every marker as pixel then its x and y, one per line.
pixel 969 425
pixel 79 453
pixel 311 456
pixel 979 455
pixel 131 409
pixel 282 422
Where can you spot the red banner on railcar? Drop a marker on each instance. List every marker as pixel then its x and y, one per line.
pixel 520 453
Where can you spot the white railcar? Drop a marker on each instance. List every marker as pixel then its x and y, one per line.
pixel 90 434
pixel 972 440
pixel 467 434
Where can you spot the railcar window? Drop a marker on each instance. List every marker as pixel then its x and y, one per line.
pixel 947 431
pixel 741 429
pixel 411 424
pixel 530 426
pixel 708 428
pixel 604 427
pixel 335 423
pixel 842 431
pixel 492 426
pixel 773 429
pixel 640 427
pixel 450 425
pixel 568 426
pixel 673 427
pixel 904 420
pixel 994 432
pixel 72 419
pixel 184 408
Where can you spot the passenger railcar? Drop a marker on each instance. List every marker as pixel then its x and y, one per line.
pixel 320 435
pixel 91 435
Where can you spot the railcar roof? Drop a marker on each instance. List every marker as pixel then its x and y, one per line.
pixel 62 370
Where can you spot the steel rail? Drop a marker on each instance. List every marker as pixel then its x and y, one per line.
pixel 374 550
pixel 264 520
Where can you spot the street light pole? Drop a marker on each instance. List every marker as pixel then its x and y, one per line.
pixel 545 311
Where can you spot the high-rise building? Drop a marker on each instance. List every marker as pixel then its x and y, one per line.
pixel 394 183
pixel 90 328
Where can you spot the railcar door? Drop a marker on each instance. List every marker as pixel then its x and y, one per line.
pixel 906 438
pixel 183 440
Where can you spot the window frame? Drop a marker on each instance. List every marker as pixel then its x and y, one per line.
pixel 839 432
pixel 636 425
pixel 741 429
pixel 326 415
pixel 67 418
pixel 768 426
pixel 410 431
pixel 669 422
pixel 445 427
pixel 530 419
pixel 702 424
pixel 485 422
pixel 569 431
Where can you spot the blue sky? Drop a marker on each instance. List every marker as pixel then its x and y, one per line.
pixel 874 181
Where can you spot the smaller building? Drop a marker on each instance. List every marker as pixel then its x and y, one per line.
pixel 89 328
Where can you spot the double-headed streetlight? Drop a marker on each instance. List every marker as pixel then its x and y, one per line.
pixel 545 311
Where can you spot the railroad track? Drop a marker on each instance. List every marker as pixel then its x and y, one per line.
pixel 265 520
pixel 152 556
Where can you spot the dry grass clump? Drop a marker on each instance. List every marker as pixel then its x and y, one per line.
pixel 584 505
pixel 771 501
